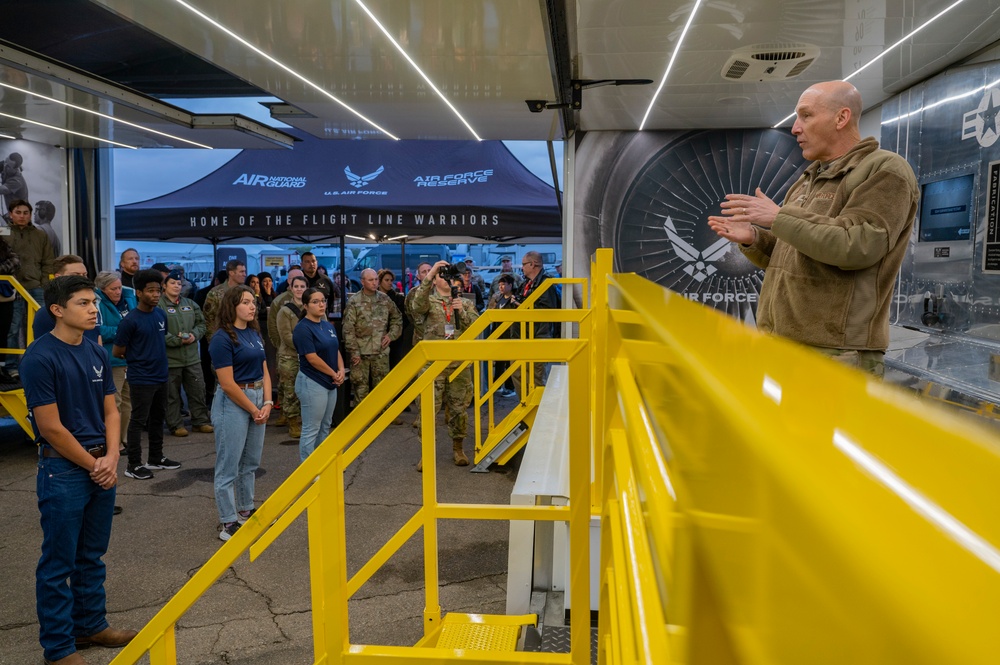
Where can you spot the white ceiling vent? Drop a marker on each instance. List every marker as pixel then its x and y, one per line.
pixel 769 62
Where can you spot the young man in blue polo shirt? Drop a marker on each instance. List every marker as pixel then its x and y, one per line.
pixel 71 395
pixel 141 340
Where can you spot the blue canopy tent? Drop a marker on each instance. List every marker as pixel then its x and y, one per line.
pixel 362 188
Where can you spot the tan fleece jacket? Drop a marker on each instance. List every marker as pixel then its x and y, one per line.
pixel 832 255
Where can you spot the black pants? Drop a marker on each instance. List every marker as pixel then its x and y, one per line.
pixel 209 373
pixel 149 410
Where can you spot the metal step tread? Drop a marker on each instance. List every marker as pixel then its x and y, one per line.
pixel 482 632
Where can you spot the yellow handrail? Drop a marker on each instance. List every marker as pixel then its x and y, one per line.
pixel 33 307
pixel 317 486
pixel 764 504
pixel 485 388
pixel 759 503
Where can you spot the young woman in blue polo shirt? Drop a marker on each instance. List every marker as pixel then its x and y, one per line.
pixel 241 406
pixel 321 370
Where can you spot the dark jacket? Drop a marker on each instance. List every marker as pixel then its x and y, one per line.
pixel 547 300
pixel 33 248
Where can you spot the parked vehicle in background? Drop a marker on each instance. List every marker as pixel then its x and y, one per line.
pixel 390 256
pixel 551 255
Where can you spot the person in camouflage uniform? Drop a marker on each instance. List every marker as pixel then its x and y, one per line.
pixel 371 321
pixel 445 318
pixel 236 274
pixel 417 321
pixel 272 334
pixel 288 356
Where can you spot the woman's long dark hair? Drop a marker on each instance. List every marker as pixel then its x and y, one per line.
pixel 227 311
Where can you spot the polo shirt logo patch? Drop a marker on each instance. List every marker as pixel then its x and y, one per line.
pixel 826 196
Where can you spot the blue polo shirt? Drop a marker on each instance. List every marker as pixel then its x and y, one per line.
pixel 246 356
pixel 321 339
pixel 75 378
pixel 144 336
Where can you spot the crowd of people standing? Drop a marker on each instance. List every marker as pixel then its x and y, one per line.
pixel 142 340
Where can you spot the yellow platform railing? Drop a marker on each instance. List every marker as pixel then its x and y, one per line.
pixel 486 382
pixel 316 487
pixel 13 401
pixel 759 503
pixel 763 504
pixel 33 307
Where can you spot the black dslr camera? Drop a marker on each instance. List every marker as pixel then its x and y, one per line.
pixel 453 273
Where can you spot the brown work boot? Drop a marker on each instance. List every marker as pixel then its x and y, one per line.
pixel 282 419
pixel 109 637
pixel 204 429
pixel 295 427
pixel 72 659
pixel 180 431
pixel 460 458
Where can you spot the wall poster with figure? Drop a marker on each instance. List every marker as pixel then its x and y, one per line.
pixel 37 173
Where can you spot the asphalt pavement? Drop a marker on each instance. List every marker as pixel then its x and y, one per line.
pixel 259 613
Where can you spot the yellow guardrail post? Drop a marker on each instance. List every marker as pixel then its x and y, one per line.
pixel 432 599
pixel 580 382
pixel 600 269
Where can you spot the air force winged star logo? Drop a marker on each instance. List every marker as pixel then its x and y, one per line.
pixel 982 123
pixel 697 262
pixel 99 371
pixel 362 180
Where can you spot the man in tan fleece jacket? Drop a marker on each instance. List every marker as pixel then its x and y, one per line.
pixel 832 250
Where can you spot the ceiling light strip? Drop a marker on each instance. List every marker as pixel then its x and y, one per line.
pixel 286 68
pixel 953 98
pixel 69 131
pixel 416 67
pixel 673 56
pixel 102 115
pixel 885 52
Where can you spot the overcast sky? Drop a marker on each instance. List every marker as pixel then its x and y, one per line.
pixel 144 174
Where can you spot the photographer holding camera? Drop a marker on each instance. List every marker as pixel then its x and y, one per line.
pixel 446 314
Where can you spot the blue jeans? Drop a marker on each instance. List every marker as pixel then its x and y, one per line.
pixel 317 413
pixel 19 323
pixel 239 442
pixel 69 580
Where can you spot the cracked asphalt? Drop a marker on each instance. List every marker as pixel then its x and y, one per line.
pixel 259 613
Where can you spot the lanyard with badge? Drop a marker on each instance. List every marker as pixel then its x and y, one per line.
pixel 449 327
